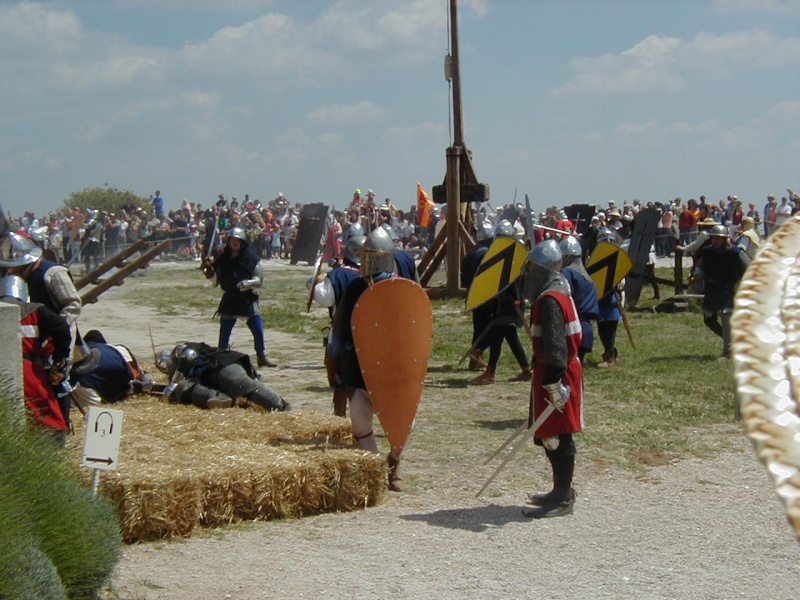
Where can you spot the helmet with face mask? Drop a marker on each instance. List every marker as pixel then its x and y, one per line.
pixel 544 272
pixel 377 255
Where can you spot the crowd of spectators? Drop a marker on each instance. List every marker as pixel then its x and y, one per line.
pixel 272 227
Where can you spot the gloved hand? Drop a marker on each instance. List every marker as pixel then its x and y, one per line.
pixel 57 372
pixel 557 394
pixel 208 267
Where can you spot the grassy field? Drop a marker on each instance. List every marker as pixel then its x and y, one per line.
pixel 669 398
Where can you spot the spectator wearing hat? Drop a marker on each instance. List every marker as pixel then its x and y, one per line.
pixel 769 216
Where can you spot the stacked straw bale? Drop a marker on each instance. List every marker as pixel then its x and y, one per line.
pixel 181 467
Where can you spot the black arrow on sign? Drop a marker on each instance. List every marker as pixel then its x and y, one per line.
pixel 108 460
pixel 506 256
pixel 610 263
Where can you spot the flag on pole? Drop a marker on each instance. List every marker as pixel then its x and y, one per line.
pixel 424 206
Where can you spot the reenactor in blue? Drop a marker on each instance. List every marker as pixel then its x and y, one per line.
pixel 582 289
pixel 329 291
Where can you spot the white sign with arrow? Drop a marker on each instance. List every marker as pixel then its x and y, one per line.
pixel 103 433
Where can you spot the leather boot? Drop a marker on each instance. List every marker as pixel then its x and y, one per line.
pixel 485 378
pixel 476 362
pixel 264 361
pixel 525 375
pixel 395 478
pixel 609 359
pixel 560 503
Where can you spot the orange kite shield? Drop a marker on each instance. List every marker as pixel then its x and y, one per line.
pixel 392 328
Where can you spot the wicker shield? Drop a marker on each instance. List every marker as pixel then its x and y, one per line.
pixel 392 328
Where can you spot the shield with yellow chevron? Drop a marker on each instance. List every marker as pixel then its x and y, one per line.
pixel 500 267
pixel 607 266
pixel 392 327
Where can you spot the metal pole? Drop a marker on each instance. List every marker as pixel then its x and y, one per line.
pixel 95 481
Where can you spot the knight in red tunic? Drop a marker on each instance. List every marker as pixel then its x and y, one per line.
pixel 556 410
pixel 45 347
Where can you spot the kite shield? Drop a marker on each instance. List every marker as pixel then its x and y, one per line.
pixel 500 267
pixel 607 266
pixel 392 328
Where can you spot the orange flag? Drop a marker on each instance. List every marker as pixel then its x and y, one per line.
pixel 424 206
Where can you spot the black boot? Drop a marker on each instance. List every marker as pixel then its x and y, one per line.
pixel 560 503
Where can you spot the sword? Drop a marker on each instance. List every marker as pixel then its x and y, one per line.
pixel 477 341
pixel 317 270
pixel 624 316
pixel 533 428
pixel 554 230
pixel 152 341
pixel 210 248
pixel 525 323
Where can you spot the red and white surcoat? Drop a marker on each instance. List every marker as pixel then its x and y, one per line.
pixel 570 419
pixel 39 395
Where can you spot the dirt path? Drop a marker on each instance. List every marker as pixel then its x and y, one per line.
pixel 693 529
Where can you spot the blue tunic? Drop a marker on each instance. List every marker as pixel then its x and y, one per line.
pixel 584 294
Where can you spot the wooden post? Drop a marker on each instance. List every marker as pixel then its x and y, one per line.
pixel 453 218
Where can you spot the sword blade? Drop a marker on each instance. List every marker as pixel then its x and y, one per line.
pixel 532 429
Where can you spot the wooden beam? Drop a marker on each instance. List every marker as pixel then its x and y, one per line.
pixel 117 278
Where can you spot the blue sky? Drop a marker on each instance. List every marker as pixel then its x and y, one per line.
pixel 567 101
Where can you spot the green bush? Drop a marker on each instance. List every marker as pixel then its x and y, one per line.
pixel 57 541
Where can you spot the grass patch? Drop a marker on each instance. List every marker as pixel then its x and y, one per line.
pixel 669 398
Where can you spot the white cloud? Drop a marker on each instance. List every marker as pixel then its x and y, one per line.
pixel 414 136
pixel 342 114
pixel 663 64
pixel 31 26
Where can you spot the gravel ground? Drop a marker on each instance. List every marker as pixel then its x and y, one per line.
pixel 694 529
pixel 698 529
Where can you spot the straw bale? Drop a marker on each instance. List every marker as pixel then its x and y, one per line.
pixel 181 467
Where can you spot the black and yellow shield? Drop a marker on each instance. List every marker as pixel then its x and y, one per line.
pixel 607 266
pixel 501 266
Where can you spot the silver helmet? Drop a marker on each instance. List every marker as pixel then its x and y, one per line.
pixel 164 362
pixel 238 233
pixel 377 255
pixel 504 229
pixel 546 254
pixel 545 270
pixel 186 360
pixel 353 231
pixel 561 215
pixel 390 230
pixel 352 250
pixel 719 231
pixel 14 286
pixel 17 250
pixel 485 231
pixel 570 246
pixel 38 234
